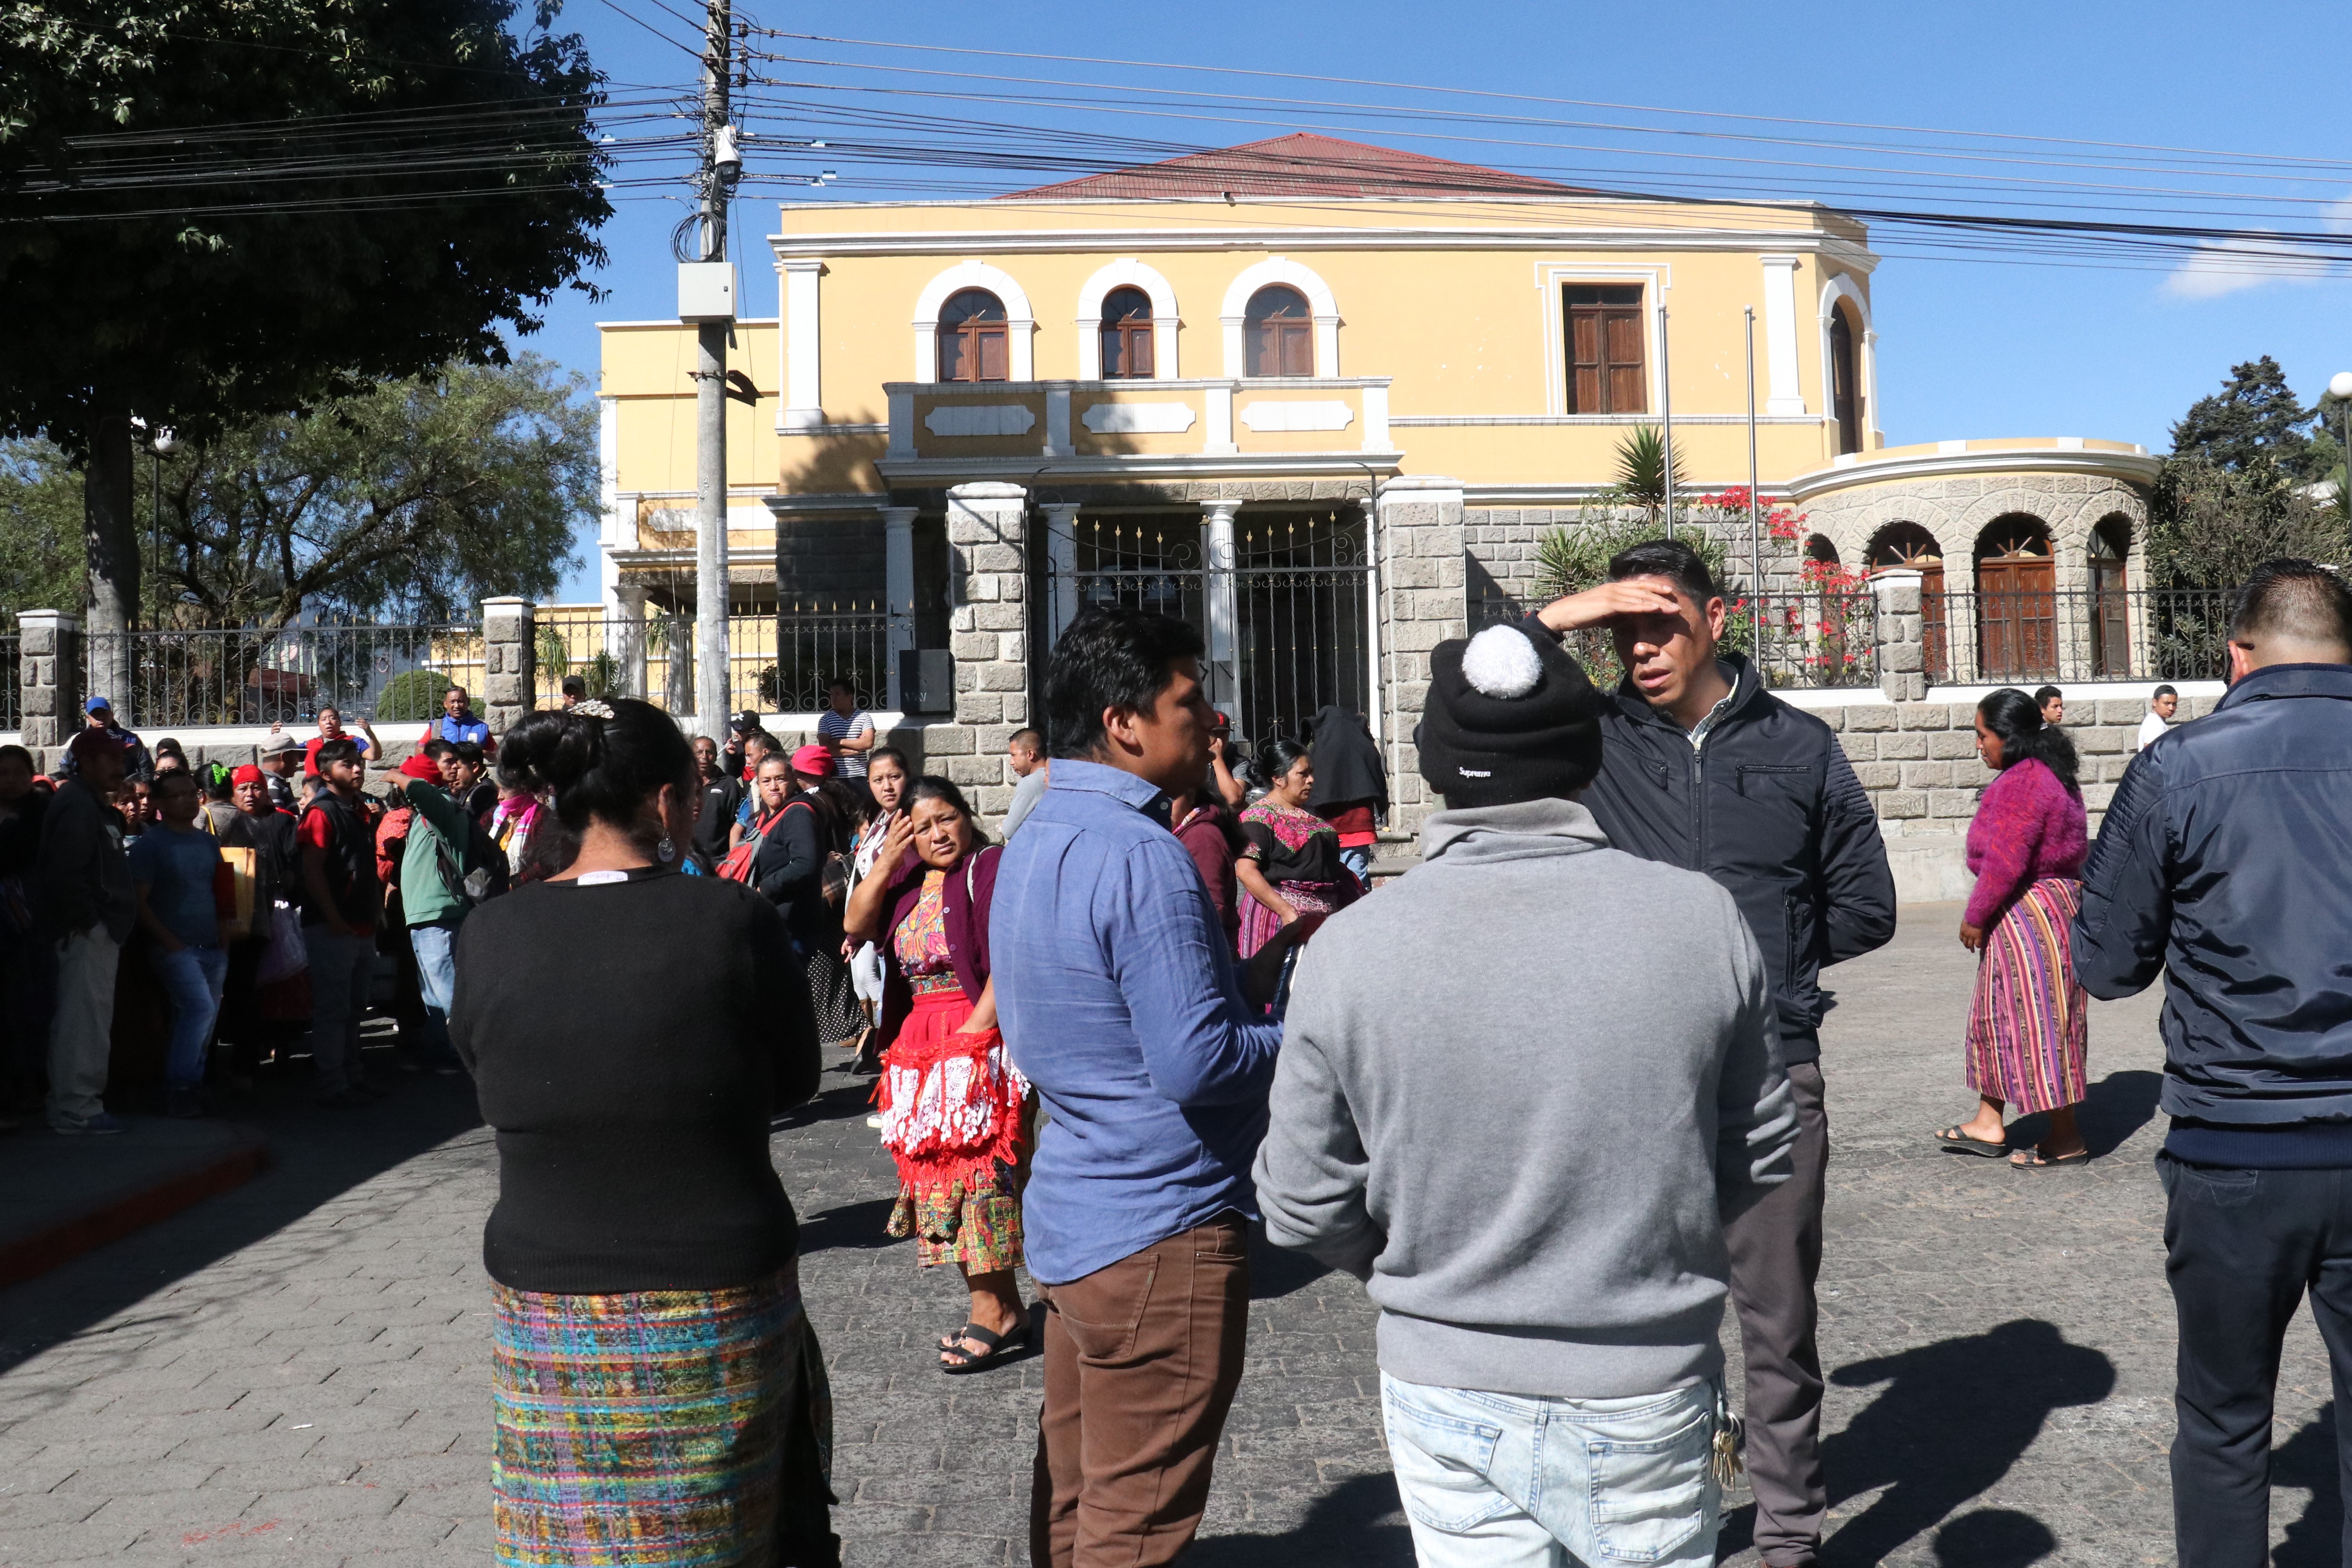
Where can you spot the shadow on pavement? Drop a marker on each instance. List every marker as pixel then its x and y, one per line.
pixel 838 1096
pixel 1956 1414
pixel 1359 1524
pixel 1993 1538
pixel 856 1226
pixel 2117 1106
pixel 2308 1459
pixel 315 1155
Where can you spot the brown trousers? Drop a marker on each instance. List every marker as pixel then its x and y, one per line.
pixel 1141 1361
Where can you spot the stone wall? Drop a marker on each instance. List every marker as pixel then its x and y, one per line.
pixel 1918 760
pixel 1422 564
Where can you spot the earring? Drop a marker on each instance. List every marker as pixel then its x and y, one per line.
pixel 665 849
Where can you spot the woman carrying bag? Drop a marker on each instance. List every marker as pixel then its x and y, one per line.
pixel 954 1108
pixel 788 867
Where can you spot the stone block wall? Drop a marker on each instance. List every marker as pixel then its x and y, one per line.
pixel 48 655
pixel 988 626
pixel 1918 760
pixel 1422 564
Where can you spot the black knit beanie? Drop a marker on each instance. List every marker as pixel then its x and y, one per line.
pixel 1510 717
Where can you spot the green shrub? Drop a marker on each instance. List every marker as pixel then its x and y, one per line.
pixel 413 694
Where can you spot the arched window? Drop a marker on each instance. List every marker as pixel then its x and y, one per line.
pixel 1846 381
pixel 2111 597
pixel 971 337
pixel 2017 615
pixel 1912 548
pixel 1279 333
pixel 1126 334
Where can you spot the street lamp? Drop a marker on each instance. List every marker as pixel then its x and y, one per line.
pixel 163 445
pixel 2339 387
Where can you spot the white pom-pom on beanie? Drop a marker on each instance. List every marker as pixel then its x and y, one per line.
pixel 1501 662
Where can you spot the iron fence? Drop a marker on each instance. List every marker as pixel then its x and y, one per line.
pixel 1818 638
pixel 12 694
pixel 779 662
pixel 281 675
pixel 1975 638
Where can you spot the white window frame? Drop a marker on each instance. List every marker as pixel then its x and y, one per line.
pixel 1127 273
pixel 1020 320
pixel 1320 303
pixel 1551 277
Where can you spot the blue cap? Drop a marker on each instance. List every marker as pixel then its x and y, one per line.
pixel 98 705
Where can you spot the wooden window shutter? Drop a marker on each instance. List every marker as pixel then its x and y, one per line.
pixel 1606 375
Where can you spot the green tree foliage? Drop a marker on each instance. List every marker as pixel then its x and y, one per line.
pixel 412 500
pixel 413 694
pixel 217 210
pixel 2212 525
pixel 40 530
pixel 2254 419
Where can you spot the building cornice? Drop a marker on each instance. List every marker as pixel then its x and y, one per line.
pixel 2127 467
pixel 1139 467
pixel 965 242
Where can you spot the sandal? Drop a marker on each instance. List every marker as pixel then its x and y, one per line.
pixel 998 1348
pixel 2033 1159
pixel 955 1337
pixel 1960 1142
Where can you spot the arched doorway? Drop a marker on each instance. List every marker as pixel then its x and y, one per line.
pixel 1911 548
pixel 1846 380
pixel 2017 600
pixel 2110 566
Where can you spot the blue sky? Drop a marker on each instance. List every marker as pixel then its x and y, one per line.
pixel 1967 348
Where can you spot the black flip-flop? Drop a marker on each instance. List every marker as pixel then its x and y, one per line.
pixel 1960 1142
pixel 2034 1161
pixel 998 1348
pixel 954 1337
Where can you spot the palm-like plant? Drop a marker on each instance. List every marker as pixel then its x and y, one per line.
pixel 1642 470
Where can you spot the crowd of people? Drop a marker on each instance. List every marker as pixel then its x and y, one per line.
pixel 1171 1006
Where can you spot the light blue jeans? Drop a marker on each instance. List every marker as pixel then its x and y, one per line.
pixel 437 977
pixel 1498 1480
pixel 192 978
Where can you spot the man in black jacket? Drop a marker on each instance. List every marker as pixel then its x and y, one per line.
pixel 1704 769
pixel 83 884
pixel 2223 864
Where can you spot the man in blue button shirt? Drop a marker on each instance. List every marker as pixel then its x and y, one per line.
pixel 458 723
pixel 1120 1000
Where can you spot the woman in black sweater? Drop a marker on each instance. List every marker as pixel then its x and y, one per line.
pixel 796 832
pixel 630 1030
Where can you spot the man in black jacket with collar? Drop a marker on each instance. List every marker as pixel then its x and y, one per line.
pixel 2222 864
pixel 1702 768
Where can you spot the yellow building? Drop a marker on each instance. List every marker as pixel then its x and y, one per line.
pixel 1322 398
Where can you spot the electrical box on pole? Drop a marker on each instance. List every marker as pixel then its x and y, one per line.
pixel 706 291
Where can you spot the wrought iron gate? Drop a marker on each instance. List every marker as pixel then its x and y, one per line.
pixel 1296 591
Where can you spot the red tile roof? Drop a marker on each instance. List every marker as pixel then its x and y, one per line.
pixel 1300 165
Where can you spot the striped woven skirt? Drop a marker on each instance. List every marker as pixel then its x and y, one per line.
pixel 2028 1024
pixel 678 1427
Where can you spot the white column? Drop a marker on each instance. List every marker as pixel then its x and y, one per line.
pixel 1225 607
pixel 628 611
pixel 1376 418
pixel 1062 557
pixel 1219 430
pixel 902 425
pixel 1870 424
pixel 1781 335
pixel 899 585
pixel 1163 348
pixel 1057 422
pixel 804 393
pixel 1326 345
pixel 1236 359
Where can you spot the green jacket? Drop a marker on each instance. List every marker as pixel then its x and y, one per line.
pixel 426 896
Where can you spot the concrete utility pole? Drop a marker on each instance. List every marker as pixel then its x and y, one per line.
pixel 721 165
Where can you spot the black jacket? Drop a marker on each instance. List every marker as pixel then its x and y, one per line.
pixel 2224 862
pixel 788 868
pixel 1770 808
pixel 83 878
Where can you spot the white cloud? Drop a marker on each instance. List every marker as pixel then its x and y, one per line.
pixel 2226 266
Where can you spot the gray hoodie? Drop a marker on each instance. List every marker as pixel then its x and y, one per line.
pixel 1521 1090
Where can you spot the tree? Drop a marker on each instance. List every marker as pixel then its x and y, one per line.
pixel 2256 417
pixel 413 500
pixel 40 530
pixel 214 210
pixel 2210 526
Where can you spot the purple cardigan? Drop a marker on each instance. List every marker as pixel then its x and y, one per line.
pixel 971 887
pixel 2027 826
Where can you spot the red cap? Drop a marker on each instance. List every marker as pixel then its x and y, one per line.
pixel 813 761
pixel 420 766
pixel 245 775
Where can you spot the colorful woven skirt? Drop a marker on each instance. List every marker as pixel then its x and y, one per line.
pixel 678 1427
pixel 1259 923
pixel 2029 1025
pixel 954 1116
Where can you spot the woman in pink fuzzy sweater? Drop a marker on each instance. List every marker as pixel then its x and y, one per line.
pixel 2028 1024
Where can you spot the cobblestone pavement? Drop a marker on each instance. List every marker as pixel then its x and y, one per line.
pixel 296 1371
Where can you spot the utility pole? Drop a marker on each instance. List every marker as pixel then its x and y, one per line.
pixel 1667 404
pixel 1755 536
pixel 721 165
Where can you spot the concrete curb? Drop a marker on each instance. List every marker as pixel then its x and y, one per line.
pixel 118 1215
